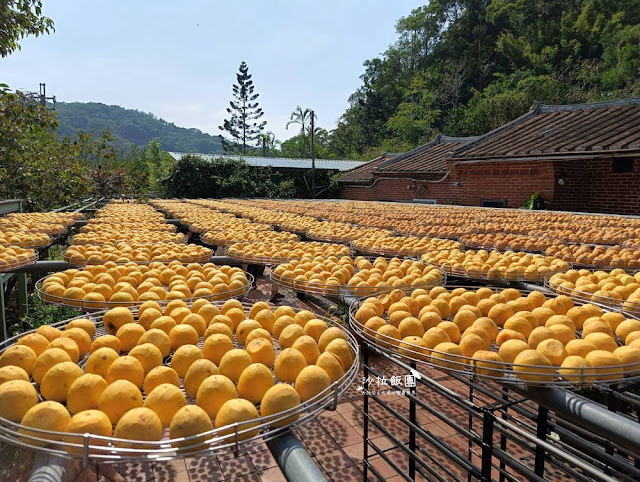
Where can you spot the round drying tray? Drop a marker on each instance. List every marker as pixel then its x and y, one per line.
pixel 210 239
pixel 219 441
pixel 203 258
pixel 493 275
pixel 292 229
pixel 389 252
pixel 35 244
pixel 631 243
pixel 419 234
pixel 331 238
pixel 500 247
pixel 222 227
pixel 143 239
pixel 629 308
pixel 90 305
pixel 576 265
pixel 7 266
pixel 335 291
pixel 271 260
pixel 499 371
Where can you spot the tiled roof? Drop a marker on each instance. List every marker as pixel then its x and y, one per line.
pixel 428 158
pixel 554 131
pixel 282 162
pixel 364 173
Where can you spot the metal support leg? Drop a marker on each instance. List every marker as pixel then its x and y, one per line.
pixel 541 433
pixel 487 445
pixel 470 423
pixel 50 468
pixel 23 297
pixel 612 405
pixel 365 410
pixel 4 333
pixel 503 437
pixel 412 433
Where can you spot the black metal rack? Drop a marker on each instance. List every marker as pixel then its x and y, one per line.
pixel 495 432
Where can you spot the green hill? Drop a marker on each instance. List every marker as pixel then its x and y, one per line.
pixel 129 126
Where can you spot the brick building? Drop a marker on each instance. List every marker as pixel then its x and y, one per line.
pixel 579 157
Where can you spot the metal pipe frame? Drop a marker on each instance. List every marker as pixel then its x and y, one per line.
pixel 65 208
pixel 579 452
pixel 10 206
pixel 293 459
pixel 79 210
pixel 584 413
pixel 579 441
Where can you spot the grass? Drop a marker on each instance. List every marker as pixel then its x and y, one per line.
pixel 39 314
pixel 15 463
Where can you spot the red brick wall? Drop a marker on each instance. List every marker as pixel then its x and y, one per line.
pixel 514 182
pixel 590 186
pixel 396 190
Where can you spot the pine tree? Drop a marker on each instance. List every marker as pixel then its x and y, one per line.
pixel 243 126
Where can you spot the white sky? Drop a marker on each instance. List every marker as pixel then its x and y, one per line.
pixel 178 59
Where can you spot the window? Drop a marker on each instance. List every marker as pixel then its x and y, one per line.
pixel 493 203
pixel 424 201
pixel 622 165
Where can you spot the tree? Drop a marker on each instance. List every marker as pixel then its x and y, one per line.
pixel 108 172
pixel 160 164
pixel 486 62
pixel 303 119
pixel 145 169
pixel 298 146
pixel 34 165
pixel 19 18
pixel 267 143
pixel 137 169
pixel 243 125
pixel 412 121
pixel 195 177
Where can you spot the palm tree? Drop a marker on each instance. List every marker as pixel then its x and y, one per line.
pixel 268 142
pixel 303 119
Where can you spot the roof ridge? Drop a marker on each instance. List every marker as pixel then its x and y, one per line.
pixel 561 130
pixel 413 151
pixel 439 139
pixel 480 139
pixel 458 139
pixel 365 164
pixel 546 108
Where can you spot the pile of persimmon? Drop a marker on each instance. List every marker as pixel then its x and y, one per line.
pixel 109 284
pixel 496 264
pixel 492 332
pixel 139 253
pixel 286 250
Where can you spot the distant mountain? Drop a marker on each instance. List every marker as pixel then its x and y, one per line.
pixel 129 126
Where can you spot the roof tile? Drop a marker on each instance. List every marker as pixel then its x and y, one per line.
pixel 430 157
pixel 556 130
pixel 364 173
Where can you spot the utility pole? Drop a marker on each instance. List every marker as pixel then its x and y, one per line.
pixel 313 159
pixel 43 96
